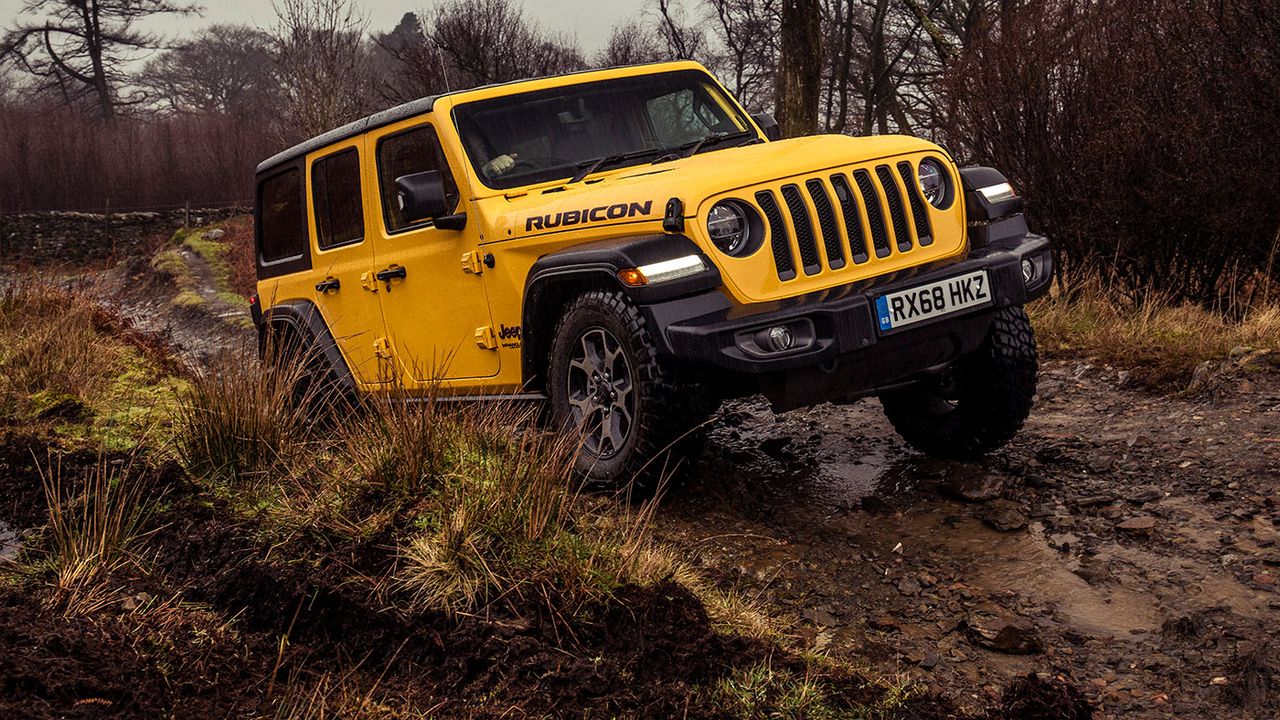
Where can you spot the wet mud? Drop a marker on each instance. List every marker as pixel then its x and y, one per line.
pixel 1126 540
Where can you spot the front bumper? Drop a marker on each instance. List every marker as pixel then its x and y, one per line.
pixel 847 354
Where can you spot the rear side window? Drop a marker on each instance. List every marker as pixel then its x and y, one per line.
pixel 282 217
pixel 335 196
pixel 413 151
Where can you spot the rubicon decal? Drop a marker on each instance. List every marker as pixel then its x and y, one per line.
pixel 570 218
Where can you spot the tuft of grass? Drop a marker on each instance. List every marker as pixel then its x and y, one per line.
pixel 92 524
pixel 820 692
pixel 1162 341
pixel 241 418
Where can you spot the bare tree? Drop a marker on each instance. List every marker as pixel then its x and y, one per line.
pixel 224 68
pixel 800 67
pixel 321 55
pixel 630 43
pixel 407 63
pixel 488 41
pixel 684 40
pixel 81 48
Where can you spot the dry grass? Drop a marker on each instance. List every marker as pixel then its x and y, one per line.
pixel 1161 341
pixel 241 419
pixel 52 345
pixel 93 522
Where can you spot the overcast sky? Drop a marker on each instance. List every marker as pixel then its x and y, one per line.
pixel 588 20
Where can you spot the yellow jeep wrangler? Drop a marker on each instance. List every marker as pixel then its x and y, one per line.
pixel 631 247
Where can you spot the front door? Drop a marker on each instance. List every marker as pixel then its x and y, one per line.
pixel 342 254
pixel 436 312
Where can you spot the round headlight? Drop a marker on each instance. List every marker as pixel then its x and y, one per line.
pixel 933 182
pixel 728 227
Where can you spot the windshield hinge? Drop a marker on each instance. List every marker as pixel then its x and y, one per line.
pixel 473 262
pixel 486 338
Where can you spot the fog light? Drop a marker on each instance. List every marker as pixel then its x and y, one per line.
pixel 781 338
pixel 1028 271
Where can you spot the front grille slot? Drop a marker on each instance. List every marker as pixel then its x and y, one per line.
pixel 875 217
pixel 852 219
pixel 778 235
pixel 896 211
pixel 803 225
pixel 918 212
pixel 827 223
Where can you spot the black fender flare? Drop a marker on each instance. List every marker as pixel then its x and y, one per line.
pixel 595 265
pixel 304 318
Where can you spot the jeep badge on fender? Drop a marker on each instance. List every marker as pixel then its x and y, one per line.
pixel 816 269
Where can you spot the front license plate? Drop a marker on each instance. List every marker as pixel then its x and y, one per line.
pixel 908 307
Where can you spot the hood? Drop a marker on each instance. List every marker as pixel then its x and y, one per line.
pixel 639 194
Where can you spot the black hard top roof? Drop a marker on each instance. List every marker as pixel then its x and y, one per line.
pixel 410 109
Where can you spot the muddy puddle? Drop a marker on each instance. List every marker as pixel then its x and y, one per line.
pixel 10 542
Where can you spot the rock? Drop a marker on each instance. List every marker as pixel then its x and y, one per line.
pixel 1005 516
pixel 1201 376
pixel 818 616
pixel 930 661
pixel 1265 578
pixel 1122 378
pixel 883 623
pixel 778 448
pixel 1003 633
pixel 1091 500
pixel 975 486
pixel 214 234
pixel 1240 351
pixel 872 504
pixel 909 586
pixel 1144 495
pixel 1141 525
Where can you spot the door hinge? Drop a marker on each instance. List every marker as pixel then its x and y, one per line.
pixel 476 261
pixel 486 338
pixel 369 282
pixel 382 348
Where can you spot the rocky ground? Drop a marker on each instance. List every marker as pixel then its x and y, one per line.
pixel 1127 540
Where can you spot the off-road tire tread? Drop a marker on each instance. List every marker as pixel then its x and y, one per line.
pixel 1002 381
pixel 673 414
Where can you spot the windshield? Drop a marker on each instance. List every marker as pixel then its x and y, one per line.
pixel 557 134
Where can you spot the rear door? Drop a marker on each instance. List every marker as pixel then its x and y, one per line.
pixel 343 258
pixel 436 311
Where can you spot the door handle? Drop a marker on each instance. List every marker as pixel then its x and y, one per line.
pixel 328 284
pixel 396 272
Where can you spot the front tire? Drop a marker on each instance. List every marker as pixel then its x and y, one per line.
pixel 605 382
pixel 977 405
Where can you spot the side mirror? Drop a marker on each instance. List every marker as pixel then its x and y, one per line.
pixel 422 196
pixel 768 125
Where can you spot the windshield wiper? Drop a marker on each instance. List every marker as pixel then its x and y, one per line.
pixel 690 149
pixel 588 167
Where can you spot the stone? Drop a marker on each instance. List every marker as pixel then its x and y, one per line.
pixel 909 586
pixel 1005 516
pixel 975 486
pixel 1265 578
pixel 818 616
pixel 1141 525
pixel 930 661
pixel 1144 495
pixel 1003 633
pixel 214 234
pixel 883 623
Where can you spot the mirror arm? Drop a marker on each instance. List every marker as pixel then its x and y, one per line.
pixel 457 221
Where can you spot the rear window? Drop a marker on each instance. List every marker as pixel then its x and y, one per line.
pixel 335 194
pixel 283 217
pixel 413 151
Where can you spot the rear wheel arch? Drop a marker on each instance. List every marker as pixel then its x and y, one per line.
pixel 300 321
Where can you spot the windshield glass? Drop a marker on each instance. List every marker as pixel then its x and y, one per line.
pixel 554 134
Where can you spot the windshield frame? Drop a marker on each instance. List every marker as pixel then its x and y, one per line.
pixel 734 109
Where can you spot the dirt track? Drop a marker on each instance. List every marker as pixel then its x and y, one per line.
pixel 1137 553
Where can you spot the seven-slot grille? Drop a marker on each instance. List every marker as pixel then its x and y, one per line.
pixel 891 218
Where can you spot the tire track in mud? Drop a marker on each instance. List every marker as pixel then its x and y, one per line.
pixel 869 551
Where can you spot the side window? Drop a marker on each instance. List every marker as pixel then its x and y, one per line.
pixel 412 151
pixel 283 230
pixel 685 116
pixel 336 199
